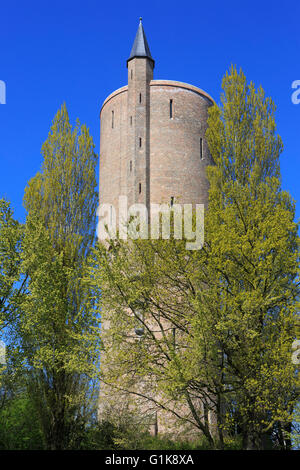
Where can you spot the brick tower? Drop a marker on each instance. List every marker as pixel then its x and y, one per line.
pixel 152 146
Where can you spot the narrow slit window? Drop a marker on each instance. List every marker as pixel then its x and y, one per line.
pixel 172 201
pixel 171 109
pixel 131 120
pixel 131 74
pixel 140 141
pixel 130 165
pixel 140 97
pixel 201 148
pixel 140 188
pixel 112 119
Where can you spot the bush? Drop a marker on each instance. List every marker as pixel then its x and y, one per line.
pixel 19 425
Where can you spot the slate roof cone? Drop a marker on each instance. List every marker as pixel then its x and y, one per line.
pixel 140 46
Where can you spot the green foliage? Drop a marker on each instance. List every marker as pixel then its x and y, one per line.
pixel 108 436
pixel 19 425
pixel 58 330
pixel 252 251
pixel 164 443
pixel 10 241
pixel 12 291
pixel 99 436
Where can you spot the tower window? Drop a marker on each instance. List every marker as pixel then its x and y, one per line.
pixel 172 200
pixel 112 119
pixel 131 74
pixel 140 97
pixel 130 165
pixel 171 109
pixel 201 148
pixel 140 141
pixel 140 188
pixel 131 120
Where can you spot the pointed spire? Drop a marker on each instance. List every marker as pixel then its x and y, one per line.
pixel 140 46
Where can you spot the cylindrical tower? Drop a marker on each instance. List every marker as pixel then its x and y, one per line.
pixel 152 148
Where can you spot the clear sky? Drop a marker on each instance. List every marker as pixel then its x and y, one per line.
pixel 76 51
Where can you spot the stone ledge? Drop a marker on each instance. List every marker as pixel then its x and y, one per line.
pixel 171 83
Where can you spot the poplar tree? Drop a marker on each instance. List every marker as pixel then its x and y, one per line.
pixel 253 261
pixel 12 290
pixel 10 245
pixel 58 329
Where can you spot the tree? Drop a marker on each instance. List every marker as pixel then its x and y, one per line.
pixel 152 350
pixel 10 245
pixel 12 290
pixel 207 334
pixel 252 248
pixel 58 329
pixel 19 424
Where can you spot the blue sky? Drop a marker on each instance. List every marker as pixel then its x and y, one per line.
pixel 72 51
